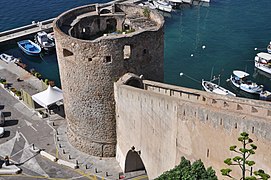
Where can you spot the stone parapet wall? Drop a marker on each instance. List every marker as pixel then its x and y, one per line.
pixel 165 122
pixel 239 105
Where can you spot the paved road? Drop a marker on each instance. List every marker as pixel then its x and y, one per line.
pixel 24 128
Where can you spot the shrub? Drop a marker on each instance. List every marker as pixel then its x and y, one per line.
pixel 3 81
pixel 46 81
pixel 186 171
pixel 146 12
pixel 18 93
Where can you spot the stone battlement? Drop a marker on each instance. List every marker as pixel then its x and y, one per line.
pixel 250 107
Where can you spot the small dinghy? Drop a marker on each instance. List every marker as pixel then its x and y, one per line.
pixel 45 41
pixel 239 79
pixel 29 47
pixel 214 88
pixel 8 58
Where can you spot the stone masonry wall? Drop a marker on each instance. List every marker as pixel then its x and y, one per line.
pixel 166 122
pixel 88 70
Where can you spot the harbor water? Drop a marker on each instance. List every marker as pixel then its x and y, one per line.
pixel 200 40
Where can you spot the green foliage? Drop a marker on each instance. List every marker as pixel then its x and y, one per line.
pixel 262 174
pixel 3 81
pixel 242 161
pixel 226 172
pixel 46 81
pixel 18 93
pixel 146 12
pixel 186 171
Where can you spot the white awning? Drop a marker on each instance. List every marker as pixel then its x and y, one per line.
pixel 50 96
pixel 240 74
pixel 265 56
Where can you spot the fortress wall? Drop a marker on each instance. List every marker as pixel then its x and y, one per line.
pixel 166 122
pixel 88 69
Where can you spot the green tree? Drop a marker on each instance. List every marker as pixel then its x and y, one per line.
pixel 186 171
pixel 242 161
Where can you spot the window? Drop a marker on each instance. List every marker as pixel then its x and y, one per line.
pixel 144 51
pixel 107 59
pixel 127 52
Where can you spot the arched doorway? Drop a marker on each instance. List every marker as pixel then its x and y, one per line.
pixel 133 162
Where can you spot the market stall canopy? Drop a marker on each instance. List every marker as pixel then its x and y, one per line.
pixel 48 97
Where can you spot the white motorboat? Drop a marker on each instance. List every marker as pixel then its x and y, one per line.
pixel 265 95
pixel 147 4
pixel 42 39
pixel 163 5
pixel 239 79
pixel 214 88
pixel 8 58
pixel 269 47
pixel 263 62
pixel 176 1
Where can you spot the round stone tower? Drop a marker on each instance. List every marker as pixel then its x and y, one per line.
pixel 97 44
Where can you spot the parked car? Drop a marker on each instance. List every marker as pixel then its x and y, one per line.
pixel 2 131
pixel 2 118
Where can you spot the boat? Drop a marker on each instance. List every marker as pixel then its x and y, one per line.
pixel 269 47
pixel 45 41
pixel 176 2
pixel 263 62
pixel 214 88
pixel 8 58
pixel 163 5
pixel 265 95
pixel 29 47
pixel 240 80
pixel 51 36
pixel 147 4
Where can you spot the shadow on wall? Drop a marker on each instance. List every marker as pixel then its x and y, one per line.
pixel 133 161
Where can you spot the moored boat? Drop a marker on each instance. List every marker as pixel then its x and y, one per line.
pixel 147 4
pixel 265 95
pixel 45 41
pixel 263 62
pixel 8 58
pixel 162 5
pixel 240 80
pixel 269 47
pixel 29 47
pixel 214 88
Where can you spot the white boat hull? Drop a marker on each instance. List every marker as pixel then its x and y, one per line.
pixel 176 1
pixel 263 67
pixel 214 88
pixel 250 88
pixel 162 7
pixel 8 58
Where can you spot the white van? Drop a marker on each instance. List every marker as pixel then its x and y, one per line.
pixel 2 118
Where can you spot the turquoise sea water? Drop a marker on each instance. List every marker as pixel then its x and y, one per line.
pixel 229 29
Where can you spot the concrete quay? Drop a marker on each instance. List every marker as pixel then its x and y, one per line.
pixel 14 35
